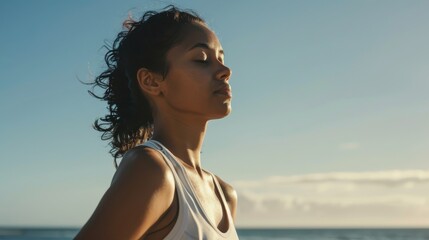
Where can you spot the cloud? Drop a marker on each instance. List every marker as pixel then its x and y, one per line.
pixel 384 198
pixel 391 178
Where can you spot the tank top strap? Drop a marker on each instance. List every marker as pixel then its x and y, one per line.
pixel 192 220
pixel 222 196
pixel 177 168
pixel 183 215
pixel 163 150
pixel 152 144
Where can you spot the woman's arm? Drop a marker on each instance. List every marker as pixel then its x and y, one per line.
pixel 141 191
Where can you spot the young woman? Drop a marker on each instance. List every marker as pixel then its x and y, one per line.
pixel 166 79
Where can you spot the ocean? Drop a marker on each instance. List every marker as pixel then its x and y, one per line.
pixel 244 234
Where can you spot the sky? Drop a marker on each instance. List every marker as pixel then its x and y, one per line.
pixel 329 126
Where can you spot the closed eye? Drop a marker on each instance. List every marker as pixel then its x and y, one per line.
pixel 202 58
pixel 201 61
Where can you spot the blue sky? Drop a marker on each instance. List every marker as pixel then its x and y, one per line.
pixel 332 89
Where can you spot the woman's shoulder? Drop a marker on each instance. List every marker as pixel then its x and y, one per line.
pixel 230 194
pixel 141 191
pixel 145 164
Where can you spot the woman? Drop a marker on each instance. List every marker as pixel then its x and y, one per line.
pixel 166 79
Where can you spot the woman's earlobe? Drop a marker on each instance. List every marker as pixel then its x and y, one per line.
pixel 149 81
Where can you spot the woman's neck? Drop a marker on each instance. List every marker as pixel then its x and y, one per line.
pixel 184 138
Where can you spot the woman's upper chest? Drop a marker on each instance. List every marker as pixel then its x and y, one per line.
pixel 209 198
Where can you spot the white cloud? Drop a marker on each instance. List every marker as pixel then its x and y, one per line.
pixel 391 178
pixel 384 198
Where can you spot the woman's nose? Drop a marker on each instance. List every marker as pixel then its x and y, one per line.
pixel 224 72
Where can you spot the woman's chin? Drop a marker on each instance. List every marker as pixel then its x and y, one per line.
pixel 223 113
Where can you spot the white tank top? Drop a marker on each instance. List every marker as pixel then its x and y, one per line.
pixel 192 222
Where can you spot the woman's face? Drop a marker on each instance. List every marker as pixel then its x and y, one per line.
pixel 197 79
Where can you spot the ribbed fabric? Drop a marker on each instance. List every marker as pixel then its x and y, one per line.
pixel 192 222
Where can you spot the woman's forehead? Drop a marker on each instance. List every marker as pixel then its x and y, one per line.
pixel 198 35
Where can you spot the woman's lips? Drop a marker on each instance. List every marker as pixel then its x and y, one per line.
pixel 226 91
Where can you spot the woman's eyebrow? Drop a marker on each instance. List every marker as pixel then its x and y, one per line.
pixel 205 46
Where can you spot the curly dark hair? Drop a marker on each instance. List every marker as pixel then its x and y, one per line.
pixel 143 44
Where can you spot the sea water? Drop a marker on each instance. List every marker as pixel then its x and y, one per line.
pixel 334 234
pixel 244 234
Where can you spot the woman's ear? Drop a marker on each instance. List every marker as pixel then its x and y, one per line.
pixel 149 81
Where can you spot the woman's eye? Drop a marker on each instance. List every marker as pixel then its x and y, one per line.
pixel 203 58
pixel 201 61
